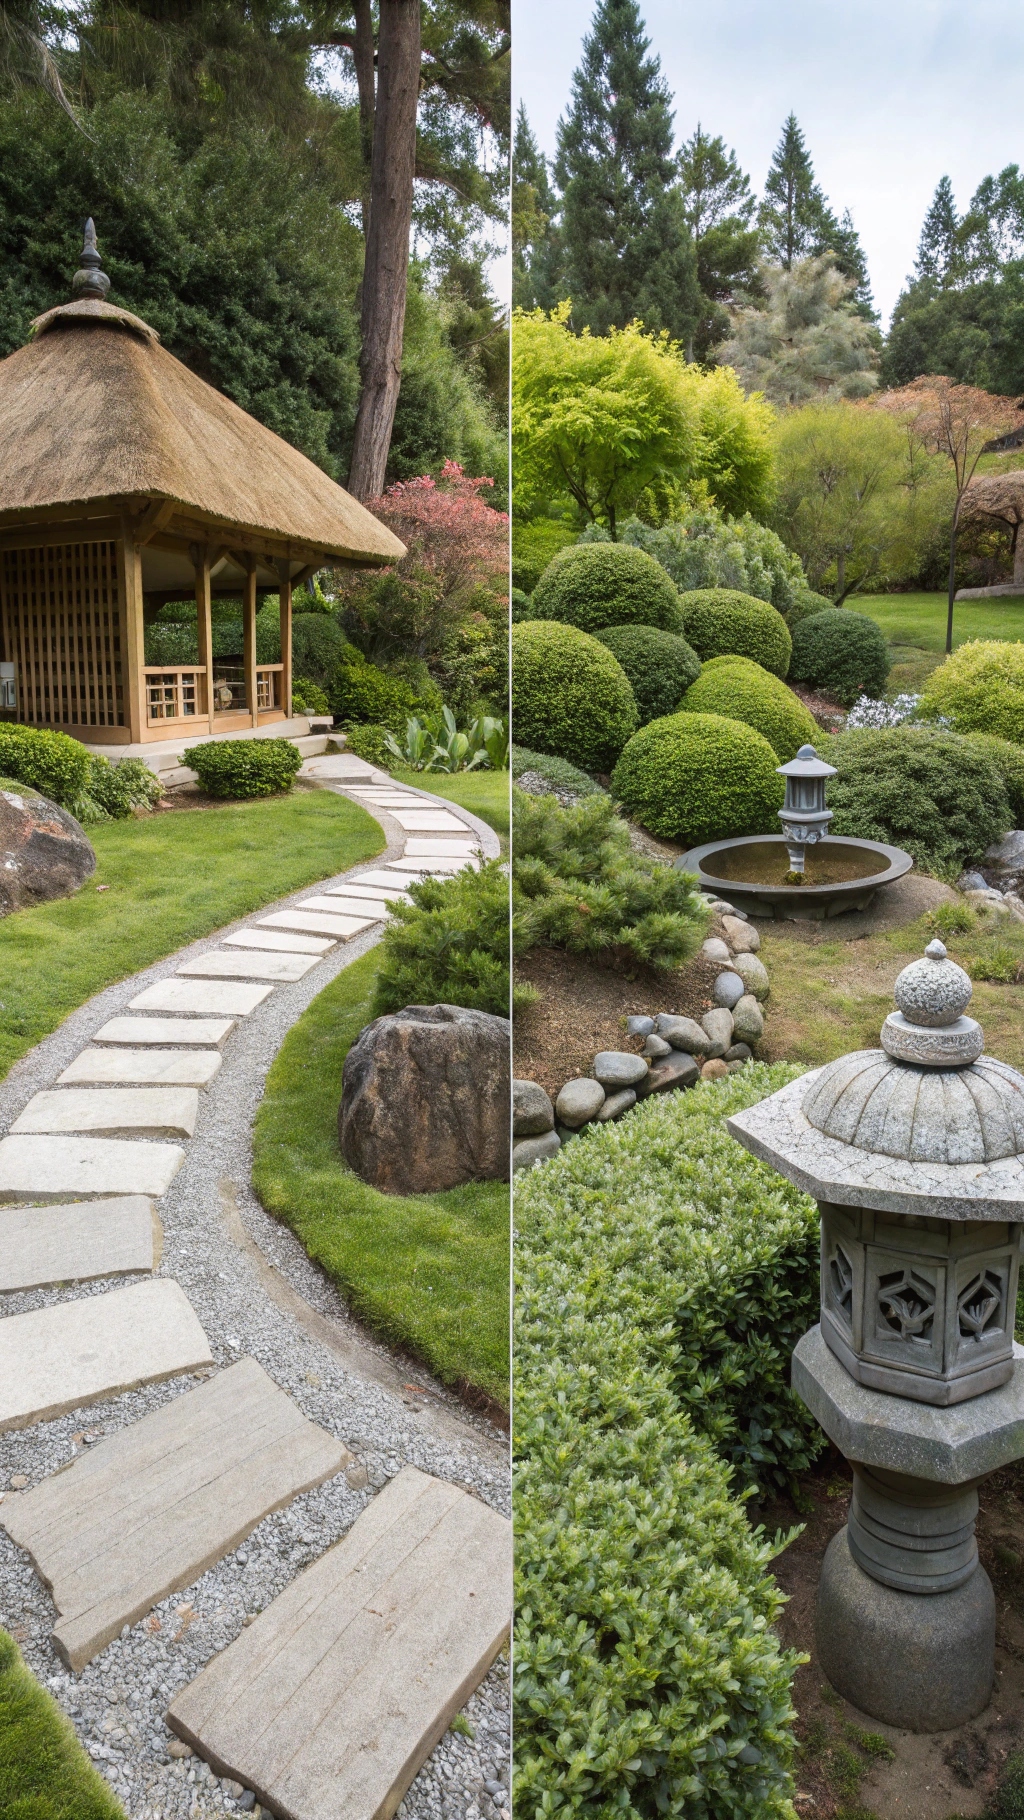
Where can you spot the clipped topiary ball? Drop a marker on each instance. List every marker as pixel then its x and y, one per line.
pixel 660 666
pixel 980 689
pixel 245 767
pixel 569 696
pixel 700 777
pixel 592 585
pixel 741 690
pixel 721 622
pixel 806 603
pixel 842 653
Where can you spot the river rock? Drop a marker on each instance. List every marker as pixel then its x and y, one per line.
pixel 714 949
pixel 718 1027
pixel 748 1023
pixel 715 1070
pixel 616 1104
pixel 580 1099
pixel 532 1111
pixel 728 989
pixel 675 1071
pixel 738 1052
pixel 742 936
pixel 425 1100
pixel 616 1068
pixel 656 1046
pixel 683 1033
pixel 535 1150
pixel 1004 860
pixel 43 852
pixel 971 881
pixel 753 973
pixel 639 1026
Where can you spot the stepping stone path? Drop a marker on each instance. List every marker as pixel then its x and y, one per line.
pixel 334 1697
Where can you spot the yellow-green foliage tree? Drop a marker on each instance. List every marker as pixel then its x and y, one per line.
pixel 603 422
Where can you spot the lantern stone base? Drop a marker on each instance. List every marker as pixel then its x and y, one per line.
pixel 923 1663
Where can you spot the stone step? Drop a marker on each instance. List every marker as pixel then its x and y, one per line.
pixel 151 1508
pixel 73 1244
pixel 428 821
pixel 56 1359
pixel 251 966
pixel 278 942
pixel 436 865
pixel 142 1067
pixel 329 1703
pixel 307 922
pixel 389 881
pixel 167 1032
pixel 374 908
pixel 364 887
pixel 111 1109
pixel 235 998
pixel 327 906
pixel 57 1168
pixel 441 849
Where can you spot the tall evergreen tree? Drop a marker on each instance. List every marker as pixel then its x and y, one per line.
pixel 937 247
pixel 719 209
pixel 535 238
pixel 627 250
pixel 797 222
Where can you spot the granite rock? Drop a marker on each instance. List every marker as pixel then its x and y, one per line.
pixel 616 1104
pixel 43 852
pixel 656 1046
pixel 683 1033
pixel 676 1070
pixel 580 1099
pixel 532 1111
pixel 714 949
pixel 639 1026
pixel 738 1052
pixel 742 936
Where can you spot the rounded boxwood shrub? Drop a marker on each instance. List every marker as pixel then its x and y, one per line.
pixel 660 666
pixel 358 691
pixel 52 763
pixel 245 767
pixel 720 622
pixel 569 695
pixel 842 653
pixel 934 793
pixel 805 603
pixel 742 690
pixel 700 777
pixel 980 689
pixel 591 585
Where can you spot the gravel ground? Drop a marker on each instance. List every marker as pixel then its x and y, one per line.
pixel 257 1295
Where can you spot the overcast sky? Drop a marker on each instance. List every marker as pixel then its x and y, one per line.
pixel 891 94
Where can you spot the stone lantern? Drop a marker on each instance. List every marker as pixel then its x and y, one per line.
pixel 803 815
pixel 915 1155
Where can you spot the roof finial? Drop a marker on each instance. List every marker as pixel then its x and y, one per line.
pixel 89 281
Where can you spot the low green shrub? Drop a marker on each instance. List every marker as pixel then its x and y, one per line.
pixel 718 622
pixel 1009 762
pixel 663 1277
pixel 555 771
pixel 308 697
pixel 607 584
pixel 534 545
pixel 245 767
pixel 701 549
pixel 52 763
pixel 742 690
pixel 932 792
pixel 317 645
pixel 450 946
pixel 700 777
pixel 520 606
pixel 980 689
pixel 569 695
pixel 370 741
pixel 358 692
pixel 805 603
pixel 578 884
pixel 842 653
pixel 951 919
pixel 660 666
pixel 44 1772
pixel 115 790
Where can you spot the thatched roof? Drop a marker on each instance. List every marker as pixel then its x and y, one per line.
pixel 996 496
pixel 93 408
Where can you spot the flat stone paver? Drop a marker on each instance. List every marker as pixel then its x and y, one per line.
pixel 309 922
pixel 251 966
pixel 167 1032
pixel 455 864
pixel 327 1705
pixel 81 1168
pixel 111 1109
pixel 326 906
pixel 362 904
pixel 439 849
pixel 236 998
pixel 428 821
pixel 278 942
pixel 388 881
pixel 73 1244
pixel 151 1508
pixel 142 1067
pixel 60 1358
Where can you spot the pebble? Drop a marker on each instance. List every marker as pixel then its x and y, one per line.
pixel 728 989
pixel 617 1103
pixel 656 1045
pixel 616 1068
pixel 639 1026
pixel 580 1099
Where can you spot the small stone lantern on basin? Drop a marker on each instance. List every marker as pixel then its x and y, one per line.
pixel 915 1155
pixel 804 817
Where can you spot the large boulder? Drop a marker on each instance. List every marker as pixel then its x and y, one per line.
pixel 425 1100
pixel 43 851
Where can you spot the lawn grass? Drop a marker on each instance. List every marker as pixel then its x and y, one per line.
pixel 429 1273
pixel 915 626
pixel 44 1772
pixel 485 793
pixel 169 879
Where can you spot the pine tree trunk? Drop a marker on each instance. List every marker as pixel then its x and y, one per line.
pixel 386 267
pixel 362 57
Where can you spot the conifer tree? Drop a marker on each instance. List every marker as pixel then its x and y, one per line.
pixel 535 238
pixel 936 249
pixel 797 222
pixel 627 251
pixel 719 209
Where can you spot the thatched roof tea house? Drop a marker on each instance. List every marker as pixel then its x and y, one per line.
pixel 126 482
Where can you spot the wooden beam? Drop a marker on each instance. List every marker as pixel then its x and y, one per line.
pixel 133 671
pixel 204 623
pixel 249 642
pixel 285 596
pixel 153 520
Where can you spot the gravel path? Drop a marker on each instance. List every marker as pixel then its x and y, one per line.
pixel 257 1295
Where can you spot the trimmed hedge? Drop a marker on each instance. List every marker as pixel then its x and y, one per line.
pixel 663 1277
pixel 980 689
pixel 450 946
pixel 607 584
pixel 700 777
pixel 244 767
pixel 370 741
pixel 937 794
pixel 520 606
pixel 569 696
pixel 555 771
pixel 841 652
pixel 660 666
pixel 742 690
pixel 805 603
pixel 718 622
pixel 52 763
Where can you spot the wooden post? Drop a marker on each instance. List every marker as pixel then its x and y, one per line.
pixel 249 630
pixel 284 577
pixel 204 622
pixel 133 671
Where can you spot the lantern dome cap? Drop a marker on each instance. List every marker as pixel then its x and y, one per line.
pixel 806 764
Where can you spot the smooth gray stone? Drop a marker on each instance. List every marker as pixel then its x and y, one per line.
pixel 971 881
pixel 738 1052
pixel 639 1026
pixel 532 1111
pixel 235 998
pixel 247 964
pixel 616 1068
pixel 656 1046
pixel 535 1150
pixel 728 989
pixel 76 1243
pixel 924 1664
pixel 166 1032
pixel 748 1020
pixel 99 1067
pixel 62 1168
pixel 718 1026
pixel 753 973
pixel 616 1104
pixel 683 1033
pixel 565 1133
pixel 714 949
pixel 134 1110
pixel 677 1070
pixel 580 1099
pixel 742 936
pixel 1008 852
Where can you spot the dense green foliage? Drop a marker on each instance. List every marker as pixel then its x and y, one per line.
pixel 244 767
pixel 44 1772
pixel 52 763
pixel 980 689
pixel 934 793
pixel 606 584
pixel 317 644
pixel 359 691
pixel 308 697
pixel 718 622
pixel 807 342
pixel 113 791
pixel 700 777
pixel 741 690
pixel 369 740
pixel 663 1276
pixel 842 653
pixel 555 771
pixel 569 696
pixel 702 549
pixel 797 222
pixel 1008 759
pixel 450 946
pixel 660 666
pixel 578 884
pixel 719 208
pixel 804 604
pixel 534 543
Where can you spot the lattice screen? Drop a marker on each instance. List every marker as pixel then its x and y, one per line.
pixel 64 628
